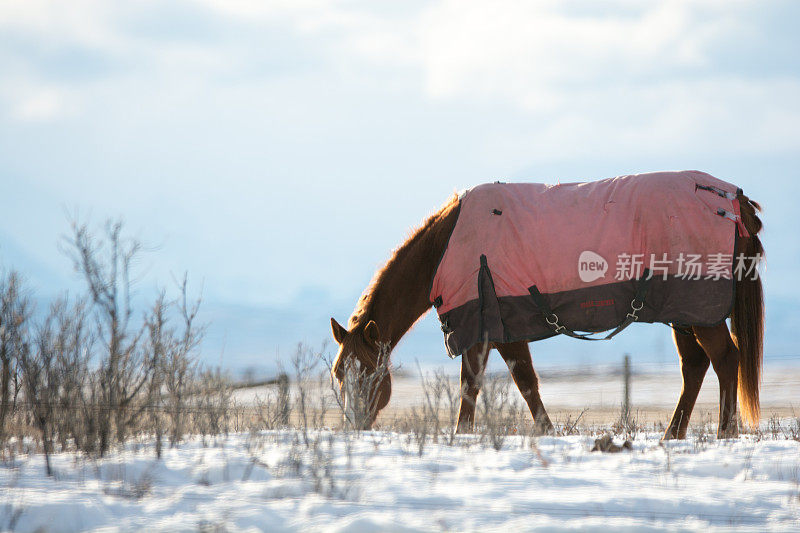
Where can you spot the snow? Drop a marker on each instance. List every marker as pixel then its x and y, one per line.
pixel 273 481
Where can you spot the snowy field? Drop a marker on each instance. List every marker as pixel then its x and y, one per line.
pixel 273 481
pixel 389 481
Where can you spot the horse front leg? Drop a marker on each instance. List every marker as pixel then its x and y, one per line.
pixel 473 364
pixel 517 356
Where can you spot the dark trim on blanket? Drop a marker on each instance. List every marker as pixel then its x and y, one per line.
pixel 685 302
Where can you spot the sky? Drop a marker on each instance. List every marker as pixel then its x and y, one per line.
pixel 278 151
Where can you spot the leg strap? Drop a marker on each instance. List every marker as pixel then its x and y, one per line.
pixel 552 319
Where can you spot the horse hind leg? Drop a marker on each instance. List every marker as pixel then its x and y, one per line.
pixel 724 355
pixel 517 356
pixel 694 364
pixel 473 364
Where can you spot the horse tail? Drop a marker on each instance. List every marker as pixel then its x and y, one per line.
pixel 747 317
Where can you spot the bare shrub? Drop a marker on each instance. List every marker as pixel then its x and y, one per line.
pixel 441 394
pixel 628 424
pixel 273 409
pixel 211 403
pixel 496 411
pixel 37 365
pixel 793 431
pixel 315 463
pixel 74 343
pixel 265 412
pixel 174 367
pixel 157 344
pixel 304 363
pixel 124 369
pixel 570 426
pixel 14 318
pixel 54 370
pixel 321 464
pixel 432 391
pixel 145 372
pixel 210 526
pixel 92 374
pixel 424 422
pixel 417 427
pixel 123 485
pixel 179 366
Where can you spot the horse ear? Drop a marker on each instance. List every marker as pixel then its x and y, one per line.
pixel 371 332
pixel 339 331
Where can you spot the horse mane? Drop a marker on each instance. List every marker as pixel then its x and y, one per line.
pixel 424 236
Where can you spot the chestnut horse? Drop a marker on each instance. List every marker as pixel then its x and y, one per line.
pixel 399 295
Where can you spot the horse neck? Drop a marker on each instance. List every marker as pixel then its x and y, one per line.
pixel 402 294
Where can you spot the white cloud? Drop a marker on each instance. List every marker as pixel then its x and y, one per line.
pixel 42 104
pixel 530 53
pixel 722 117
pixel 643 73
pixel 636 77
pixel 87 22
pixel 36 102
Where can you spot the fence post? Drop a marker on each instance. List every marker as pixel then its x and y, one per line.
pixel 626 405
pixel 284 399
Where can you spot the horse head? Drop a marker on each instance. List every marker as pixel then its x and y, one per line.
pixel 361 368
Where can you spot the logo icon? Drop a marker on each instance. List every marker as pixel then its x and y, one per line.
pixel 591 266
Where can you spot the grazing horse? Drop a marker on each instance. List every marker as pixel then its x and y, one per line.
pixel 490 315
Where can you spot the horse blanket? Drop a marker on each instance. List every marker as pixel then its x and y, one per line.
pixel 524 259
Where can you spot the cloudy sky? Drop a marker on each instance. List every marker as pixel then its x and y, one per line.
pixel 279 150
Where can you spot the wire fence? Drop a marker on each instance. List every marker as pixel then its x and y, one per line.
pixel 610 377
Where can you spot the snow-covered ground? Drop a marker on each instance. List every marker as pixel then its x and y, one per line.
pixel 273 482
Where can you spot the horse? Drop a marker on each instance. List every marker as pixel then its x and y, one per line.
pixel 400 294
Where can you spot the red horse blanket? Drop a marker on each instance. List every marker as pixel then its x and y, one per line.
pixel 525 259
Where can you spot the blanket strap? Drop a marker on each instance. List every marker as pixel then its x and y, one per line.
pixel 636 305
pixel 719 192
